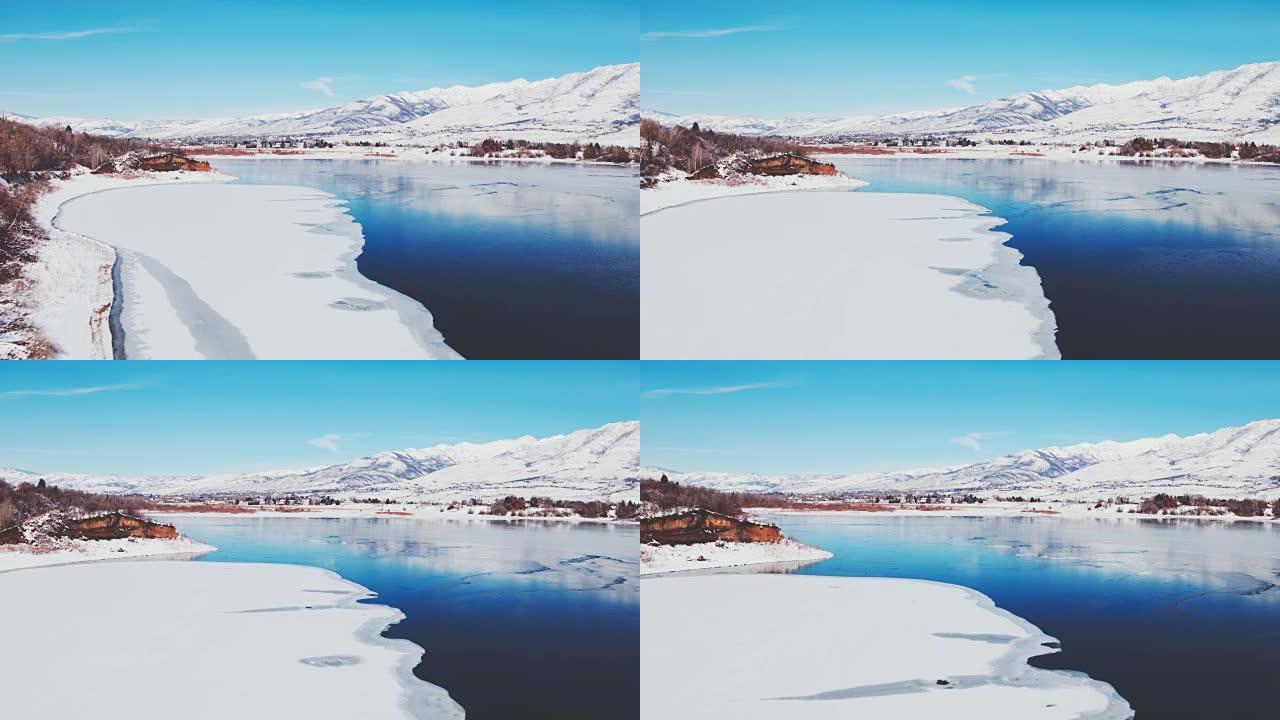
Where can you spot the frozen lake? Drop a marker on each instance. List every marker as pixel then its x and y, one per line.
pixel 514 260
pixel 1139 259
pixel 513 615
pixel 1148 606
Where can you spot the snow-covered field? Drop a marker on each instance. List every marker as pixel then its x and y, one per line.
pixel 223 271
pixel 806 647
pixel 837 275
pixel 674 191
pixel 655 559
pixel 205 640
pixel 65 552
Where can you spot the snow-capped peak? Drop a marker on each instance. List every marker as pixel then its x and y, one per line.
pixel 601 104
pixel 1232 462
pixel 1242 103
pixel 589 464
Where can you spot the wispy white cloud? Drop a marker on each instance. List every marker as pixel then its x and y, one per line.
pixel 964 83
pixel 974 440
pixel 65 392
pixel 711 33
pixel 711 390
pixel 321 85
pixel 329 441
pixel 68 34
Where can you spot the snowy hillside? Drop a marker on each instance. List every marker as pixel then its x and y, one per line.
pixel 1243 103
pixel 591 464
pixel 598 105
pixel 1233 462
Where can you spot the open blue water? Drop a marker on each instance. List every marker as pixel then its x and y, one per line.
pixel 1181 617
pixel 1138 259
pixel 514 260
pixel 514 616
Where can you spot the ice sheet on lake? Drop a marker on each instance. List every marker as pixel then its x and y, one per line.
pixel 227 271
pixel 837 275
pixel 761 647
pixel 182 639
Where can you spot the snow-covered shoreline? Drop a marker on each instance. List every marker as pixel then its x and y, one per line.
pixel 202 284
pixel 69 552
pixel 660 559
pixel 676 192
pixel 837 647
pixel 833 275
pixel 71 281
pixel 220 640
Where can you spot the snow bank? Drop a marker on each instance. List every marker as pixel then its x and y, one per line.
pixel 836 647
pixel 71 279
pixel 223 271
pixel 656 559
pixel 206 640
pixel 837 275
pixel 670 193
pixel 65 552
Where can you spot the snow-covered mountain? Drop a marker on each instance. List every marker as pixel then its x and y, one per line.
pixel 598 463
pixel 1234 462
pixel 1243 103
pixel 601 104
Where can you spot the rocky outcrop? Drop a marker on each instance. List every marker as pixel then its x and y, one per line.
pixel 116 525
pixel 788 164
pixel 700 526
pixel 170 162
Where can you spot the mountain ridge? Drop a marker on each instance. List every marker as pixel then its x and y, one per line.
pixel 1233 462
pixel 1242 103
pixel 586 464
pixel 600 105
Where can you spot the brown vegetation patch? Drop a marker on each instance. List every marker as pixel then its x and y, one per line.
pixel 114 526
pixel 700 525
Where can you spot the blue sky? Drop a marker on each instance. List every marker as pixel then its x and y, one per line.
pixel 175 417
pixel 756 57
pixel 145 59
pixel 854 416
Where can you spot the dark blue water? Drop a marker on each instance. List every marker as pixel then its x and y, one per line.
pixel 514 260
pixel 513 617
pixel 1181 618
pixel 1138 259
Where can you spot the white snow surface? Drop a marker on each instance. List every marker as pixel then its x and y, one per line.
pixel 601 105
pixel 1243 103
pixel 71 279
pixel 673 190
pixel 205 640
pixel 592 464
pixel 224 271
pixel 656 559
pixel 836 275
pixel 810 647
pixel 67 551
pixel 1233 462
